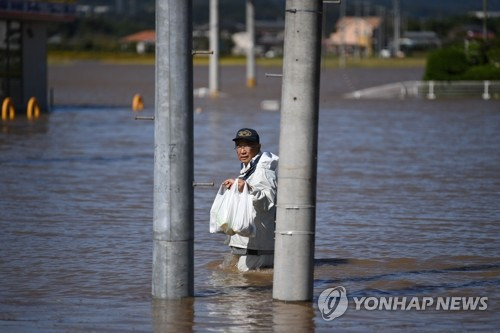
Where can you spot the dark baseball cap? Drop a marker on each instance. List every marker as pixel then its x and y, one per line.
pixel 247 134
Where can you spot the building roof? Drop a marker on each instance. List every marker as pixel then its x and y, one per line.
pixel 373 21
pixel 148 36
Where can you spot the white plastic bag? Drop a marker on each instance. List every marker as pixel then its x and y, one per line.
pixel 232 212
pixel 244 214
pixel 220 212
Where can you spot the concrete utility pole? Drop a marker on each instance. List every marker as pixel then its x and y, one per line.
pixel 173 163
pixel 213 74
pixel 397 22
pixel 250 22
pixel 296 210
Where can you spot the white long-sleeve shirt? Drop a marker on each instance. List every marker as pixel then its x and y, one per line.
pixel 263 187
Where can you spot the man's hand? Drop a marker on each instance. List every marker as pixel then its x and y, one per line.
pixel 229 182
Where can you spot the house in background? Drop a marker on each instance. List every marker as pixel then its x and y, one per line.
pixel 354 33
pixel 269 39
pixel 144 41
pixel 419 41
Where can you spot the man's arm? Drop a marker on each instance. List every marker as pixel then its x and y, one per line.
pixel 263 187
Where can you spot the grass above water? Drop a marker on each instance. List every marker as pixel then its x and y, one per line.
pixel 121 58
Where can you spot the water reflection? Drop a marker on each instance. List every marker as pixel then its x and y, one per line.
pixel 173 315
pixel 293 317
pixel 21 127
pixel 233 312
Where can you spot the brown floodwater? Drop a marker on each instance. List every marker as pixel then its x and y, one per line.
pixel 408 206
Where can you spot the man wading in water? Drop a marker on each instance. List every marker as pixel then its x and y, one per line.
pixel 259 171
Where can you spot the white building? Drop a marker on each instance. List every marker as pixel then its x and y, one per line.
pixel 354 32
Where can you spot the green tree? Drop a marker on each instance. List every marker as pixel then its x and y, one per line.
pixel 446 64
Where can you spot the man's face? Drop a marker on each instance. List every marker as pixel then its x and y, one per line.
pixel 246 150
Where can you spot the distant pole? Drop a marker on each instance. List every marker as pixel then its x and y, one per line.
pixel 213 84
pixel 357 47
pixel 366 14
pixel 342 57
pixel 380 31
pixel 366 9
pixel 296 210
pixel 250 22
pixel 397 21
pixel 119 7
pixel 132 8
pixel 485 17
pixel 173 155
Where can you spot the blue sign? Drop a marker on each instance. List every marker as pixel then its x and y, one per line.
pixel 38 9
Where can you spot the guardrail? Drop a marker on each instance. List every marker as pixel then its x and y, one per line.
pixel 449 89
pixel 432 90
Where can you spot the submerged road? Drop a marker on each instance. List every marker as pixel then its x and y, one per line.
pixel 102 84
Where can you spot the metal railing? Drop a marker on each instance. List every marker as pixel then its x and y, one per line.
pixel 460 89
pixel 432 90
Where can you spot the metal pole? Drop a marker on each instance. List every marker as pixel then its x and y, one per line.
pixel 250 22
pixel 366 9
pixel 119 7
pixel 296 210
pixel 486 94
pixel 342 35
pixel 397 21
pixel 485 16
pixel 366 38
pixel 213 84
pixel 357 48
pixel 173 163
pixel 132 9
pixel 380 14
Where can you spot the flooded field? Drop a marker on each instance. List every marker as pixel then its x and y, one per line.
pixel 408 206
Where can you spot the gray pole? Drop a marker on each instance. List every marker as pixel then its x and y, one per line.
pixel 213 84
pixel 397 21
pixel 366 9
pixel 132 9
pixel 357 13
pixel 250 22
pixel 366 15
pixel 173 163
pixel 342 35
pixel 380 31
pixel 119 7
pixel 296 210
pixel 485 16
